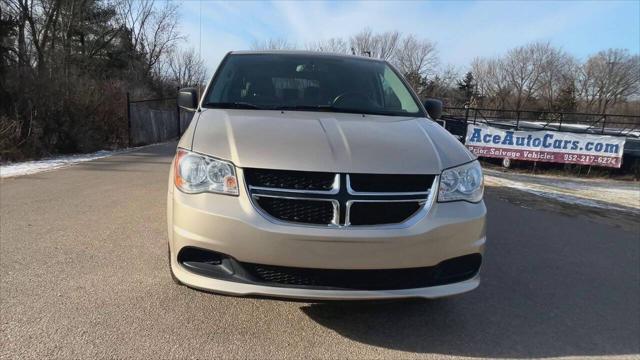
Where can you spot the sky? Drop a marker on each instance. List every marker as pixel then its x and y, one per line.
pixel 462 30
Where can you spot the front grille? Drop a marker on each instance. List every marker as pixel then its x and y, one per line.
pixel 292 180
pixel 321 198
pixel 379 213
pixel 390 183
pixel 319 212
pixel 449 271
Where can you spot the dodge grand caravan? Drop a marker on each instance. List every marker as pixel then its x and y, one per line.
pixel 321 176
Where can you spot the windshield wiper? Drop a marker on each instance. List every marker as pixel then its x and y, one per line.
pixel 232 105
pixel 305 107
pixel 329 108
pixel 319 108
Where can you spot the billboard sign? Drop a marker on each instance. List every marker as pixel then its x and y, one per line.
pixel 548 146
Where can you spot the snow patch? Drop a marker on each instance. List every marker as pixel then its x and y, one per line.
pixel 604 194
pixel 48 164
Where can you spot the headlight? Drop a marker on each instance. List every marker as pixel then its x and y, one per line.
pixel 195 173
pixel 464 182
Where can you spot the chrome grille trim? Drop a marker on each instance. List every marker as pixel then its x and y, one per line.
pixel 425 199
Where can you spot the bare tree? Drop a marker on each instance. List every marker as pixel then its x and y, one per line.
pixel 332 45
pixel 539 75
pixel 186 69
pixel 153 28
pixel 416 59
pixel 443 84
pixel 272 44
pixel 607 78
pixel 381 46
pixel 524 67
pixel 492 81
pixel 40 18
pixel 362 43
pixel 416 56
pixel 481 72
pixel 558 69
pixel 387 44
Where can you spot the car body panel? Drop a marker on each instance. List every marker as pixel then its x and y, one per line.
pixel 331 142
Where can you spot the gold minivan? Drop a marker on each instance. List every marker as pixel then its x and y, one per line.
pixel 321 176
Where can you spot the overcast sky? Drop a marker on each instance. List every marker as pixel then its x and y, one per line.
pixel 462 30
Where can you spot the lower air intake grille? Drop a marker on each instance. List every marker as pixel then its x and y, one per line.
pixel 449 271
pixel 318 212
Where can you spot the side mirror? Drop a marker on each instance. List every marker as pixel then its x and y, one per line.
pixel 434 108
pixel 188 99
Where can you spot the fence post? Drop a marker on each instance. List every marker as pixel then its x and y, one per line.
pixel 518 120
pixel 561 118
pixel 604 122
pixel 466 114
pixel 128 119
pixel 475 115
pixel 178 111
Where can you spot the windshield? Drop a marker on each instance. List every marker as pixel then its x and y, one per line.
pixel 310 83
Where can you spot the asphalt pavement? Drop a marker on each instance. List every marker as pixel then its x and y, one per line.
pixel 84 274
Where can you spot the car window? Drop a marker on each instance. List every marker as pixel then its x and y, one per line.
pixel 310 83
pixel 396 95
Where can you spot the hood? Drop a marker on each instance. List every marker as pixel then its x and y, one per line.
pixel 331 142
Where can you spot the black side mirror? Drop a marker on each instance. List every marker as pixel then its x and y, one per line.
pixel 188 99
pixel 434 108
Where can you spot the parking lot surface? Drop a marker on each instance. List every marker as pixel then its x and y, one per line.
pixel 84 274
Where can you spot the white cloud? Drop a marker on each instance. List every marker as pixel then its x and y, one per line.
pixel 462 30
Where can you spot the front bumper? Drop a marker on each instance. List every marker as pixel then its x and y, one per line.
pixel 231 225
pixel 242 289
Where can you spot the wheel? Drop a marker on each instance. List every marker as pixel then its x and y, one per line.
pixel 506 162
